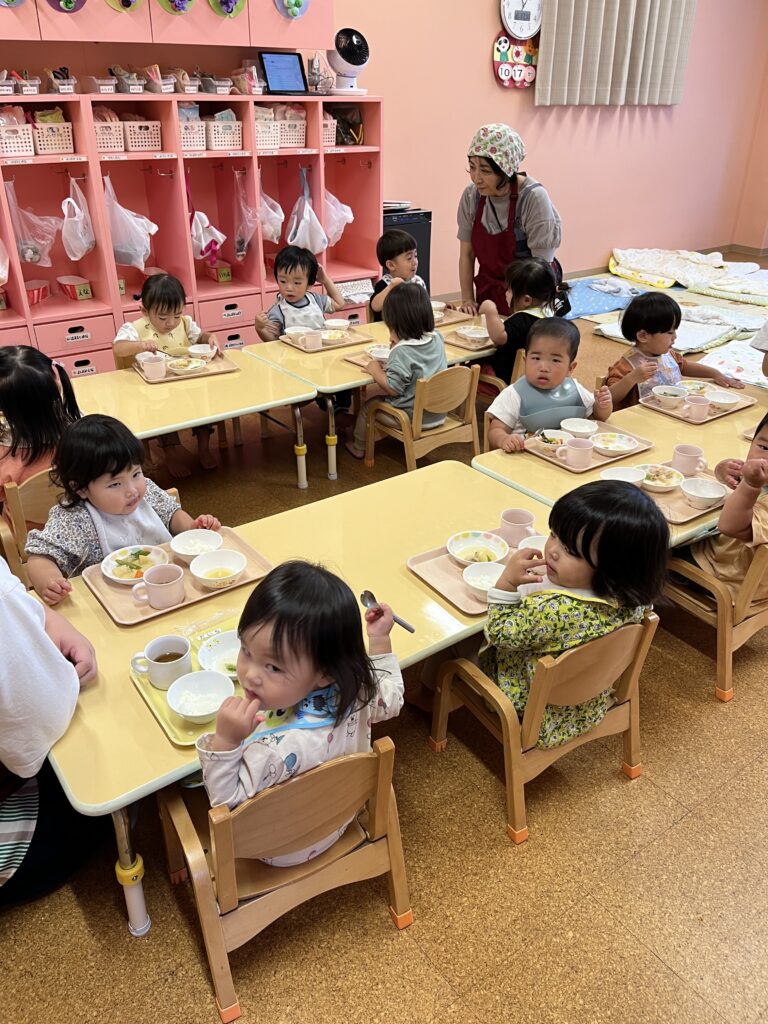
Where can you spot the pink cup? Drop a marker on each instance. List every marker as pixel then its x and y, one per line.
pixel 154 368
pixel 576 453
pixel 516 524
pixel 161 587
pixel 688 459
pixel 696 408
pixel 313 341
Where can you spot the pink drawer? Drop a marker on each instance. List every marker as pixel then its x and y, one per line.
pixel 231 312
pixel 355 314
pixel 16 336
pixel 83 364
pixel 67 336
pixel 237 339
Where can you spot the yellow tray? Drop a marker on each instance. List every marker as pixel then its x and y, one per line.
pixel 178 730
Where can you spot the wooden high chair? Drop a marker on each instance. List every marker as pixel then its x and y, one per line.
pixel 452 391
pixel 238 896
pixel 613 661
pixel 735 619
pixel 30 502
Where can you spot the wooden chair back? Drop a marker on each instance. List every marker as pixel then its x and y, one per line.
pixel 518 367
pixel 31 502
pixel 757 573
pixel 454 389
pixel 600 380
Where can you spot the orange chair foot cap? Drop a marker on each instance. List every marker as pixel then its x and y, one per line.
pixel 177 877
pixel 632 771
pixel 402 920
pixel 724 695
pixel 437 745
pixel 368 463
pixel 229 1013
pixel 517 835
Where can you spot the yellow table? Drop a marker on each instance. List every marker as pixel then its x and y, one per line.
pixel 114 752
pixel 152 409
pixel 720 440
pixel 330 373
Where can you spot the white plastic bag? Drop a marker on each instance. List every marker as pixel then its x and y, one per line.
pixel 271 217
pixel 3 265
pixel 77 235
pixel 130 231
pixel 206 239
pixel 34 235
pixel 337 216
pixel 246 219
pixel 304 229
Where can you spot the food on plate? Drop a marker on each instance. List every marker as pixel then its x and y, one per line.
pixel 217 574
pixel 198 703
pixel 695 387
pixel 334 335
pixel 479 554
pixel 554 440
pixel 131 563
pixel 614 442
pixel 663 475
pixel 228 667
pixel 185 365
pixel 485 582
pixel 198 547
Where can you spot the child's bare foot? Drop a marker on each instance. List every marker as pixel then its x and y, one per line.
pixel 354 452
pixel 204 453
pixel 175 461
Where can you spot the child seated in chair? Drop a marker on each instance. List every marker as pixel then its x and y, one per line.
pixel 743 522
pixel 547 393
pixel 417 351
pixel 605 563
pixel 396 253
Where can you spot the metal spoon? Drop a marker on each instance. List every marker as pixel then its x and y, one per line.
pixel 369 601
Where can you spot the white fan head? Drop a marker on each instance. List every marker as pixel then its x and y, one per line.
pixel 349 57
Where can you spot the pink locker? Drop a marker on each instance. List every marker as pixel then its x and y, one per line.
pixel 85 364
pixel 199 24
pixel 94 22
pixel 313 31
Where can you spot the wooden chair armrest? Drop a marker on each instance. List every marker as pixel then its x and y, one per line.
pixel 11 551
pixel 696 575
pixel 391 410
pixel 493 381
pixel 484 687
pixel 178 814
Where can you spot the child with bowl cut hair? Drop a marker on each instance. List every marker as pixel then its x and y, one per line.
pixel 396 253
pixel 296 271
pixel 547 393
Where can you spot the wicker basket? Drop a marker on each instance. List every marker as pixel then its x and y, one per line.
pixel 192 136
pixel 293 134
pixel 109 137
pixel 142 136
pixel 224 134
pixel 329 133
pixel 16 140
pixel 267 134
pixel 53 138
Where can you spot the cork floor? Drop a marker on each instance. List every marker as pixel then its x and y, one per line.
pixel 632 902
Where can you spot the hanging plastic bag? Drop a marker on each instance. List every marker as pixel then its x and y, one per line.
pixel 34 235
pixel 304 229
pixel 337 216
pixel 246 219
pixel 271 218
pixel 130 231
pixel 206 239
pixel 3 265
pixel 77 235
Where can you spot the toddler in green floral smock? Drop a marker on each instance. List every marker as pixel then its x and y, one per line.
pixel 605 562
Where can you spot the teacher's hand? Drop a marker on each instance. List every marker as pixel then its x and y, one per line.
pixel 465 306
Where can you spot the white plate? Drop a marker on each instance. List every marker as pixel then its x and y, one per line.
pixel 660 487
pixel 184 366
pixel 438 316
pixel 614 444
pixel 437 306
pixel 219 651
pixel 473 333
pixel 159 557
pixel 378 352
pixel 335 335
pixel 697 387
pixel 558 437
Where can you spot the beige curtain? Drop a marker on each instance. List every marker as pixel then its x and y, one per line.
pixel 595 52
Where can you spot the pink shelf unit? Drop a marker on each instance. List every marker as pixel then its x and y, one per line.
pixel 94 22
pixel 269 29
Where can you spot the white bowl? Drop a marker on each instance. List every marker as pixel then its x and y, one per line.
pixel 669 395
pixel 184 366
pixel 220 652
pixel 629 474
pixel 722 399
pixel 579 427
pixel 295 332
pixel 337 325
pixel 379 352
pixel 614 444
pixel 187 695
pixel 472 541
pixel 191 543
pixel 473 333
pixel 204 352
pixel 234 561
pixel 702 493
pixel 438 316
pixel 438 306
pixel 108 565
pixel 555 439
pixel 481 576
pixel 672 476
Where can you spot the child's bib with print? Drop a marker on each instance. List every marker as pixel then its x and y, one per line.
pixel 309 316
pixel 174 343
pixel 316 711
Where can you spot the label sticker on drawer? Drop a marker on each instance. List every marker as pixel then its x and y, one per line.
pixel 234 341
pixel 78 334
pixel 231 310
pixel 83 371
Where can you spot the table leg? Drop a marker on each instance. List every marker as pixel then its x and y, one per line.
pixel 300 448
pixel 331 438
pixel 264 423
pixel 237 432
pixel 130 871
pixel 222 432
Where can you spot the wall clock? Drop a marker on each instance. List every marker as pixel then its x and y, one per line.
pixel 522 18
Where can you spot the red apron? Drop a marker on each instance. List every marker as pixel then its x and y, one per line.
pixel 494 253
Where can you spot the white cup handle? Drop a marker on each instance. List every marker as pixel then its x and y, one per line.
pixel 139 591
pixel 701 465
pixel 562 453
pixel 686 410
pixel 530 530
pixel 139 663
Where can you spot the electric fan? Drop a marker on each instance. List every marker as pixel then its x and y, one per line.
pixel 350 56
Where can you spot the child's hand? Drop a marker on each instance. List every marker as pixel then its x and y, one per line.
pixel 488 306
pixel 370 366
pixel 755 472
pixel 379 621
pixel 519 569
pixel 206 523
pixel 263 323
pixel 236 720
pixel 604 398
pixel 148 346
pixel 645 370
pixel 728 472
pixel 213 341
pixel 513 443
pixel 726 382
pixel 55 590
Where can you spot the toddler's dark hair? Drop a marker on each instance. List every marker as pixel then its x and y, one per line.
pixel 35 412
pixel 392 244
pixel 88 449
pixel 536 278
pixel 407 311
pixel 163 294
pixel 294 258
pixel 653 312
pixel 313 612
pixel 621 533
pixel 563 331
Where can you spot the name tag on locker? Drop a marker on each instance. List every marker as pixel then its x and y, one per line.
pixel 231 311
pixel 233 341
pixel 75 334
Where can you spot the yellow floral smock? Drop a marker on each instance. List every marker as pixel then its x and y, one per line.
pixel 521 630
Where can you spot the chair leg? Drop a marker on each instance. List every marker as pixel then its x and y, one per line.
pixel 724 688
pixel 517 827
pixel 410 458
pixel 399 898
pixel 631 765
pixel 221 430
pixel 237 432
pixel 438 739
pixel 174 853
pixel 370 439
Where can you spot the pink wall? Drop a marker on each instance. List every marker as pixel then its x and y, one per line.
pixel 620 176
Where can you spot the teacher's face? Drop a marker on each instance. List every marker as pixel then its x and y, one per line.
pixel 485 178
